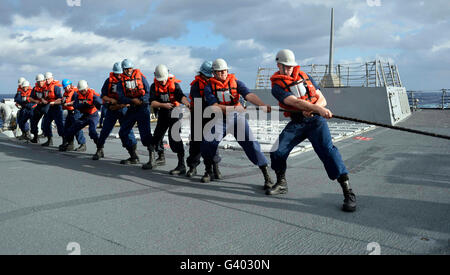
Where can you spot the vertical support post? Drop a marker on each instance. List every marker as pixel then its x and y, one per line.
pixel 348 75
pixel 443 98
pixel 330 63
pixel 376 73
pixel 367 75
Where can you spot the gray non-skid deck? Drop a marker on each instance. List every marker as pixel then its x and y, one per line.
pixel 49 199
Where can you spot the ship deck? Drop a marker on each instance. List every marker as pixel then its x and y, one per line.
pixel 49 199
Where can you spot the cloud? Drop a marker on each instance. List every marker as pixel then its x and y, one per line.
pixel 85 41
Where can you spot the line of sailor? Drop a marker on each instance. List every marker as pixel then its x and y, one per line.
pixel 127 96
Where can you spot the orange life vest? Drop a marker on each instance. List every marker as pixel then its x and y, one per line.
pixel 202 82
pixel 20 90
pixel 112 86
pixel 49 92
pixel 299 77
pixel 88 99
pixel 133 86
pixel 226 92
pixel 167 92
pixel 25 96
pixel 68 97
pixel 39 91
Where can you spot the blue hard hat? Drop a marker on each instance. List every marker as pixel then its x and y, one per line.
pixel 117 68
pixel 126 64
pixel 66 82
pixel 206 68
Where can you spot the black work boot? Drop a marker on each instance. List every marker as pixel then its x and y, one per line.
pixel 349 197
pixel 81 148
pixel 27 136
pixel 49 142
pixel 151 159
pixel 192 171
pixel 161 160
pixel 133 159
pixel 64 143
pixel 67 146
pixel 216 172
pixel 208 176
pixel 21 137
pixel 280 187
pixel 35 139
pixel 181 167
pixel 99 154
pixel 70 146
pixel 268 183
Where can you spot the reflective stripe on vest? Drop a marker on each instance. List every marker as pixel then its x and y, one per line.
pixel 226 92
pixel 166 93
pixel 133 86
pixel 88 99
pixel 68 98
pixel 113 81
pixel 299 85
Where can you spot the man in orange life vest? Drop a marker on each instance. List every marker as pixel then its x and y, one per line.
pixel 72 114
pixel 166 94
pixel 224 92
pixel 134 90
pixel 37 97
pixel 295 90
pixel 114 112
pixel 87 101
pixel 22 99
pixel 197 94
pixel 53 97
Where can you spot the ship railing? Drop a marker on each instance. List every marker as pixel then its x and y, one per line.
pixel 376 73
pixel 429 99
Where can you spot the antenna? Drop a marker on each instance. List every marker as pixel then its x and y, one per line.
pixel 330 63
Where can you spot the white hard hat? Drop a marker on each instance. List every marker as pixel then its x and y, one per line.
pixel 40 77
pixel 21 79
pixel 286 57
pixel 82 85
pixel 219 65
pixel 25 83
pixel 48 75
pixel 161 72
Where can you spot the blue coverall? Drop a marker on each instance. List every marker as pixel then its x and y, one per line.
pixel 315 129
pixel 55 113
pixel 85 119
pixel 110 120
pixel 229 124
pixel 25 113
pixel 166 122
pixel 139 114
pixel 193 159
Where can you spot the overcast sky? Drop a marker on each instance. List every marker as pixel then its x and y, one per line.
pixel 83 42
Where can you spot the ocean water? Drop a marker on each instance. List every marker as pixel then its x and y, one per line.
pixel 430 100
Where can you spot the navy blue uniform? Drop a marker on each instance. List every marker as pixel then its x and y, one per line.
pixel 315 129
pixel 139 114
pixel 25 113
pixel 195 145
pixel 230 124
pixel 111 118
pixel 84 119
pixel 166 122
